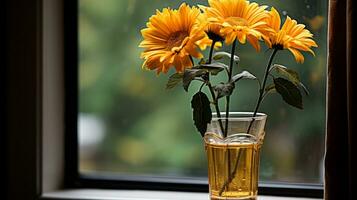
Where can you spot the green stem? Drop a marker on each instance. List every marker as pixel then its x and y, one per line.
pixel 232 59
pixel 216 106
pixel 229 79
pixel 203 84
pixel 262 89
pixel 211 52
pixel 215 101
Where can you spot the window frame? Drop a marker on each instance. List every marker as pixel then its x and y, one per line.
pixel 73 179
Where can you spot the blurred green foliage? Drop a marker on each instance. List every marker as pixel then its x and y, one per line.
pixel 149 130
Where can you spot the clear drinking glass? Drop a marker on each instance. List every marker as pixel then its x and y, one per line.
pixel 233 162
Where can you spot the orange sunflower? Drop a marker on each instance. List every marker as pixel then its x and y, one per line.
pixel 291 36
pixel 170 38
pixel 237 19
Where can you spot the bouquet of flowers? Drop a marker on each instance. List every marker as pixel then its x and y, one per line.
pixel 173 38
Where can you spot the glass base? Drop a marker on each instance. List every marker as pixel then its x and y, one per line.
pixel 212 197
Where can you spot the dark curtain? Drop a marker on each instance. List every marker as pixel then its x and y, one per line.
pixel 340 175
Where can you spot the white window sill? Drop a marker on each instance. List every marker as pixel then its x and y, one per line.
pixel 97 194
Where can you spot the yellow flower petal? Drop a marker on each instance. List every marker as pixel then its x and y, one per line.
pixel 254 41
pixel 298 56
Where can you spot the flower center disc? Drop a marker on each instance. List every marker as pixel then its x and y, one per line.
pixel 237 21
pixel 176 39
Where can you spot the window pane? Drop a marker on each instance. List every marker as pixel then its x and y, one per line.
pixel 130 124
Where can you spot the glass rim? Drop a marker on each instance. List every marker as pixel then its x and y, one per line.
pixel 239 116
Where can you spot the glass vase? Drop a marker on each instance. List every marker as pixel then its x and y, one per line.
pixel 233 161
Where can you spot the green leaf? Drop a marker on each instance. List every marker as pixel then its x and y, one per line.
pixel 270 88
pixel 223 89
pixel 290 74
pixel 174 80
pixel 214 68
pixel 289 92
pixel 191 74
pixel 221 54
pixel 243 75
pixel 202 113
